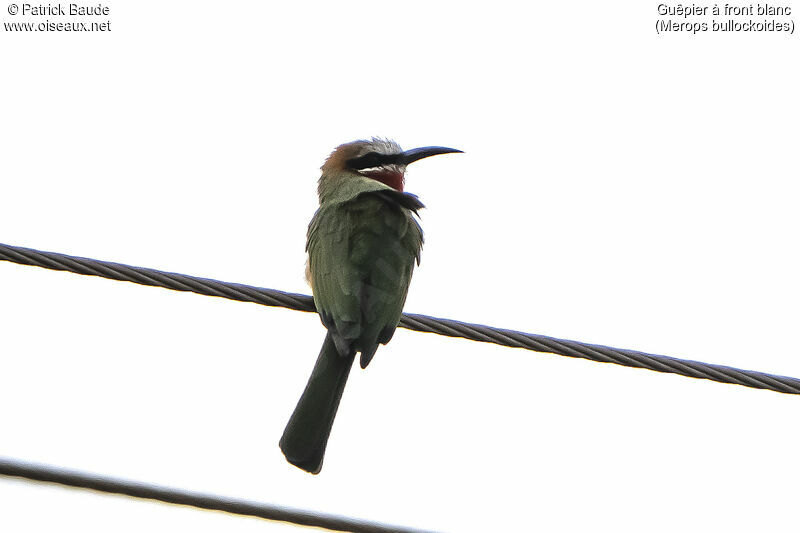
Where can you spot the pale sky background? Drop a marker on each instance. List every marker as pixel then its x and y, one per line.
pixel 618 187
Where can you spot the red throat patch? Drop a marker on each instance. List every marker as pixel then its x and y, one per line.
pixel 392 178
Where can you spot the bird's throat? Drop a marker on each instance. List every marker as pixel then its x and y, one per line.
pixel 392 178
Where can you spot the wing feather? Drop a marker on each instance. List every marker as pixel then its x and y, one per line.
pixel 361 257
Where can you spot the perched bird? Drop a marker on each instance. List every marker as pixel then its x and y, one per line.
pixel 362 245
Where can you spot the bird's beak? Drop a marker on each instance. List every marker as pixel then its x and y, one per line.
pixel 409 156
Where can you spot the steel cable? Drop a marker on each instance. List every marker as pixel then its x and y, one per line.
pixel 136 489
pixel 428 324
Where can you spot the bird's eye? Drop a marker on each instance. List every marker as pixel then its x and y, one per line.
pixel 368 160
pixel 371 159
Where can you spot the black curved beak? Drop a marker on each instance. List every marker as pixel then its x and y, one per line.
pixel 409 156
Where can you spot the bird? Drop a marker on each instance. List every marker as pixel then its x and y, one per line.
pixel 363 243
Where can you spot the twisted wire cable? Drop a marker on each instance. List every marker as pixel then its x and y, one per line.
pixel 73 478
pixel 428 324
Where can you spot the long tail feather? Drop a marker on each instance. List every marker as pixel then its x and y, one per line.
pixel 306 435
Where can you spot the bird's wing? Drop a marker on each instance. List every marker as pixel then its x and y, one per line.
pixel 386 248
pixel 361 257
pixel 336 286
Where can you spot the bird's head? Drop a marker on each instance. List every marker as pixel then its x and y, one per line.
pixel 380 159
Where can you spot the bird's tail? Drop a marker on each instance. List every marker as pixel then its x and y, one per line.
pixel 306 435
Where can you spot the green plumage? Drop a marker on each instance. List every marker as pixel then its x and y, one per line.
pixel 363 243
pixel 362 253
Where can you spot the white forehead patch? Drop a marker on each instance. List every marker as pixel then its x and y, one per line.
pixel 382 146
